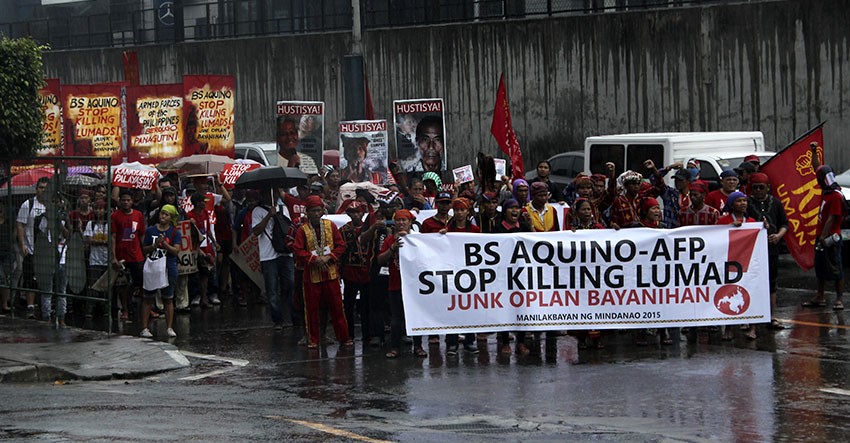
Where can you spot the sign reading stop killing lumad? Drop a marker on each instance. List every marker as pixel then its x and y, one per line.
pixel 601 279
pixel 210 114
pixel 51 109
pixel 93 120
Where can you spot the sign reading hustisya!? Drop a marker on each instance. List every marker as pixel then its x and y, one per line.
pixel 631 278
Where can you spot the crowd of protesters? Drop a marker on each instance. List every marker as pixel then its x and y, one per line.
pixel 304 281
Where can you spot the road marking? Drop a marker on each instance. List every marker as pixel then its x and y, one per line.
pixel 232 361
pixel 178 357
pixel 809 323
pixel 328 429
pixel 236 362
pixel 835 391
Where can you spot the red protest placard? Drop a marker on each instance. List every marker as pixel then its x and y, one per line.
pixel 210 114
pixel 93 119
pixel 231 173
pixel 155 123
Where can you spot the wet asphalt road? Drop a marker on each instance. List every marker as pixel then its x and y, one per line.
pixel 249 382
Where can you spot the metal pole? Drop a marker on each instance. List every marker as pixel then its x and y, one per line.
pixel 356 29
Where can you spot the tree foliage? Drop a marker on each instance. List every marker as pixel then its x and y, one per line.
pixel 21 76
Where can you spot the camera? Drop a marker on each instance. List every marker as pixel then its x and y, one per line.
pixel 389 223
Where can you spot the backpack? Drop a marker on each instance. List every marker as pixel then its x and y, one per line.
pixel 280 228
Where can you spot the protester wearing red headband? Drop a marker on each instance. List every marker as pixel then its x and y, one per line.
pixel 543 216
pixel 355 269
pixel 764 207
pixel 460 223
pixel 487 218
pixel 389 256
pixel 318 247
pixel 698 213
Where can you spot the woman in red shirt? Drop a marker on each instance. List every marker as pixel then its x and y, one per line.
pixel 389 257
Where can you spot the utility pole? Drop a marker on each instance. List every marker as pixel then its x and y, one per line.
pixel 353 69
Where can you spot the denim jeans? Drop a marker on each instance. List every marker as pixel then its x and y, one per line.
pixel 60 280
pixel 279 275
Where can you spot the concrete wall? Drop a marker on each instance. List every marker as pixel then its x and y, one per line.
pixel 776 66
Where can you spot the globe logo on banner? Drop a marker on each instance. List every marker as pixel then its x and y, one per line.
pixel 732 300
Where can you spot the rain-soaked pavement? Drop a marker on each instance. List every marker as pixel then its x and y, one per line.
pixel 249 382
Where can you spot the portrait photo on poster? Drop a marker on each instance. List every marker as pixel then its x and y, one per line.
pixel 420 134
pixel 299 132
pixel 463 174
pixel 364 151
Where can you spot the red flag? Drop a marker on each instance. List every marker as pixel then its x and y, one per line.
pixel 502 129
pixel 131 68
pixel 794 183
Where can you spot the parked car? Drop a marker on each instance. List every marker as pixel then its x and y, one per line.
pixel 565 166
pixel 264 153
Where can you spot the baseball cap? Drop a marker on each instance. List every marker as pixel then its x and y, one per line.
pixel 443 197
pixel 745 167
pixel 728 173
pixel 682 174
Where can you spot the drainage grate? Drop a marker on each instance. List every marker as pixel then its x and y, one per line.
pixel 475 428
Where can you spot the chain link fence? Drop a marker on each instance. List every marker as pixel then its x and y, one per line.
pixel 54 241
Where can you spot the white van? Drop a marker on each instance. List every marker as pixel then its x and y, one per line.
pixel 716 151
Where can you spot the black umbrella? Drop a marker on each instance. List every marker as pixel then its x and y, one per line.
pixel 271 177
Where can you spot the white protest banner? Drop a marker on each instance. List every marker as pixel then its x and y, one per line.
pixel 594 279
pixel 247 257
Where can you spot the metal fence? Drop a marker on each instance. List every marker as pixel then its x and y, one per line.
pixel 54 242
pixel 137 22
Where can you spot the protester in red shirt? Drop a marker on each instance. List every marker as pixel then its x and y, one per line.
pixel 460 223
pixel 828 247
pixel 128 228
pixel 736 210
pixel 511 223
pixel 698 213
pixel 403 219
pixel 199 216
pixel 625 211
pixel 736 214
pixel 355 269
pixel 437 223
pixel 728 184
pixel 81 216
pixel 318 247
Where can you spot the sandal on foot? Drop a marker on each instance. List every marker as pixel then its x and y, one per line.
pixel 392 354
pixel 349 343
pixel 751 334
pixel 776 325
pixel 505 349
pixel 813 303
pixel 838 305
pixel 419 352
pixel 667 341
pixel 313 346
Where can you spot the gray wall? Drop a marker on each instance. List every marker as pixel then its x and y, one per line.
pixel 775 66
